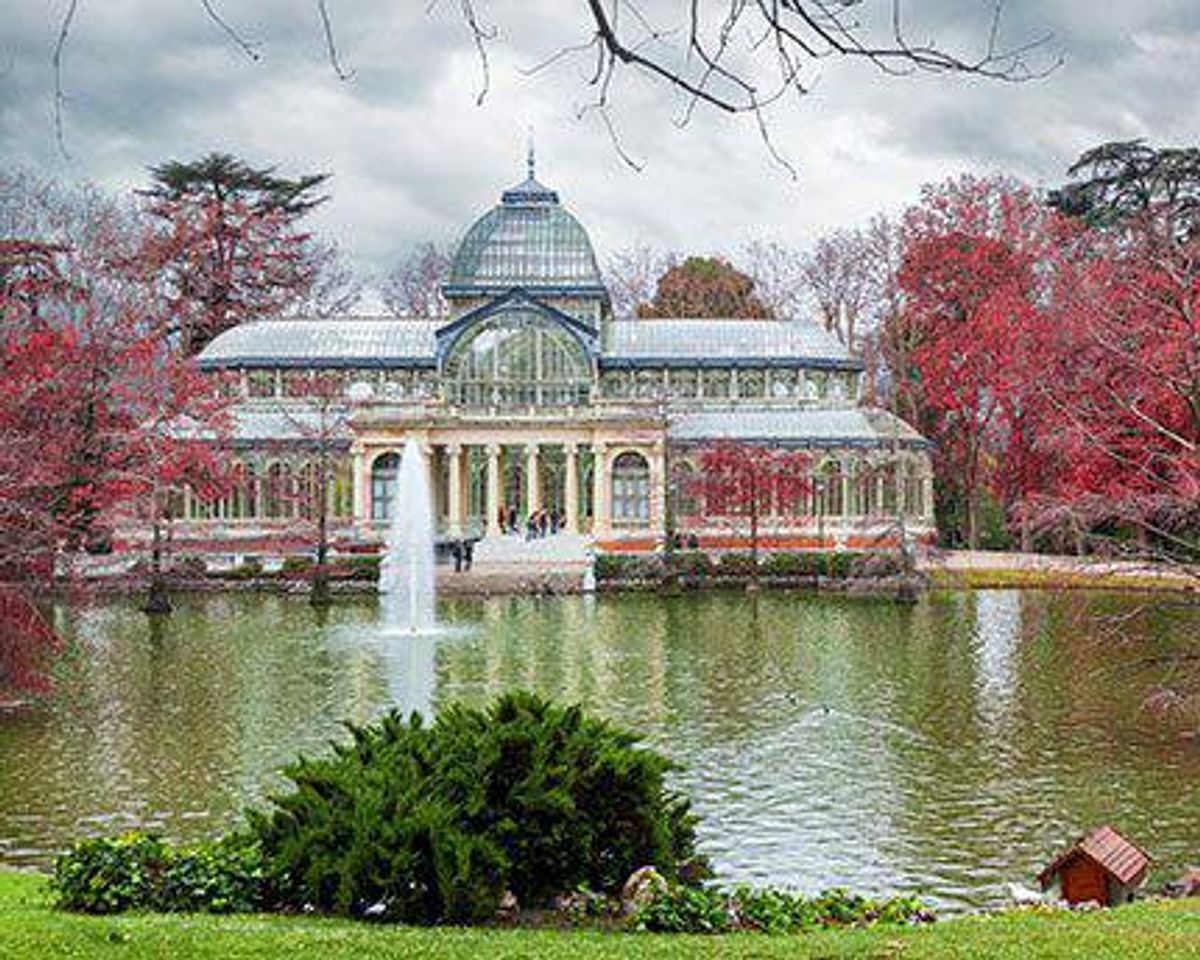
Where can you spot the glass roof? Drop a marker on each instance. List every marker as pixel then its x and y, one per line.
pixel 341 342
pixel 702 339
pixel 528 240
pixel 852 426
pixel 378 341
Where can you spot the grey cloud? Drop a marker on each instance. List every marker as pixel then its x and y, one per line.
pixel 413 157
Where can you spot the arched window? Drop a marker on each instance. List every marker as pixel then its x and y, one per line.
pixel 684 500
pixel 862 489
pixel 278 494
pixel 308 492
pixel 914 490
pixel 384 472
pixel 517 359
pixel 830 501
pixel 631 490
pixel 887 489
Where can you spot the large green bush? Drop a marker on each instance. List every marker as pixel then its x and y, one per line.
pixel 432 823
pixel 139 871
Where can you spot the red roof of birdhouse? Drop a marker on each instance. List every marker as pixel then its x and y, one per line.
pixel 1124 860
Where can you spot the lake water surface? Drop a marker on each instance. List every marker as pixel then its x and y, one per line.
pixel 945 749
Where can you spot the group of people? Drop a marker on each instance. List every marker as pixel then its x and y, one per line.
pixel 539 523
pixel 463 552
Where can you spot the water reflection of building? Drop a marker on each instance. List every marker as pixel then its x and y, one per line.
pixel 531 395
pixel 997 634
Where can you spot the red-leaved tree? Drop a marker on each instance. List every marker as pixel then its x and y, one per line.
pixel 98 417
pixel 974 312
pixel 750 481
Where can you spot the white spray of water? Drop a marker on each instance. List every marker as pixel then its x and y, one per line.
pixel 406 578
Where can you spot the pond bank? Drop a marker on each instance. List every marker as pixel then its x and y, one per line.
pixel 839 572
pixel 30 928
pixel 980 569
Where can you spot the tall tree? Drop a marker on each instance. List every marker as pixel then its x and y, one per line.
pixel 335 289
pixel 1117 182
pixel 837 272
pixel 413 287
pixel 971 280
pixel 778 274
pixel 705 287
pixel 228 245
pixel 631 274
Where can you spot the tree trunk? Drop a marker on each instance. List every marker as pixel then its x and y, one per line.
pixel 754 584
pixel 158 602
pixel 319 595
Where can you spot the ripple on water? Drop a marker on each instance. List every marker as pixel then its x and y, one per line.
pixel 947 749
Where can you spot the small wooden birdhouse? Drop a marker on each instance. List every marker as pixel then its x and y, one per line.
pixel 1102 866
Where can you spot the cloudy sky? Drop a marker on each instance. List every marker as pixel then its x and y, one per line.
pixel 414 157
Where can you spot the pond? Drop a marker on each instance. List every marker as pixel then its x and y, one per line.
pixel 946 748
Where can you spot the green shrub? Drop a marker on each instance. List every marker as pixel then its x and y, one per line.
pixel 618 567
pixel 692 563
pixel 110 875
pixel 710 910
pixel 296 566
pixel 189 565
pixel 685 909
pixel 223 876
pixel 435 822
pixel 736 565
pixel 791 564
pixel 363 567
pixel 139 871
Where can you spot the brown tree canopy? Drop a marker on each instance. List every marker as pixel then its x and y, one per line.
pixel 705 287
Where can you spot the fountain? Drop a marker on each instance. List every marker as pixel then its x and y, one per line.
pixel 406 578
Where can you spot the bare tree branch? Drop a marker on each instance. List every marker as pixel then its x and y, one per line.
pixel 330 43
pixel 57 60
pixel 238 40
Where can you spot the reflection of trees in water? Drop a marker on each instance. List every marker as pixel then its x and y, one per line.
pixel 827 738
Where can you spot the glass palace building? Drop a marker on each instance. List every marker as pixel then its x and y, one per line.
pixel 530 395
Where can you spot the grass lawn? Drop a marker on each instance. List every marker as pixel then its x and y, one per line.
pixel 31 930
pixel 1048 579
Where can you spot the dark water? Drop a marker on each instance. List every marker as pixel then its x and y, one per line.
pixel 945 749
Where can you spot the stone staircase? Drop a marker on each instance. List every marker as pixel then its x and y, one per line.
pixel 509 564
pixel 558 551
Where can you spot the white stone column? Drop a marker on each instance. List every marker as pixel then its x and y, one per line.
pixel 533 484
pixel 601 509
pixel 845 490
pixel 494 492
pixel 358 489
pixel 455 453
pixel 571 487
pixel 658 489
pixel 927 497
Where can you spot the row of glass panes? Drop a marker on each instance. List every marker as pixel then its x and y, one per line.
pixel 727 383
pixel 480 393
pixel 279 490
pixel 388 384
pixel 850 488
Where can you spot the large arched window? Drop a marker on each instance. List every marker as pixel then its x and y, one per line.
pixel 384 472
pixel 631 490
pixel 517 359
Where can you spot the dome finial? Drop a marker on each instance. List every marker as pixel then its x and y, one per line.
pixel 529 157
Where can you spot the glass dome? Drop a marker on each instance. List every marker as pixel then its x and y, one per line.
pixel 528 240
